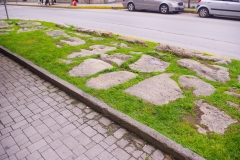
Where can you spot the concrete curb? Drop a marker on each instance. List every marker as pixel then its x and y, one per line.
pixel 153 137
pixel 91 7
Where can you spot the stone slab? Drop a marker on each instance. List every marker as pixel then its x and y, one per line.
pixel 232 94
pixel 73 41
pixel 62 25
pixel 107 80
pixel 157 90
pixel 30 29
pixel 94 50
pixel 188 53
pixel 122 45
pixel 117 58
pixel 133 40
pixel 57 33
pixel 201 88
pixel 213 72
pixel 149 64
pixel 25 24
pixel 216 121
pixel 3 25
pixel 89 67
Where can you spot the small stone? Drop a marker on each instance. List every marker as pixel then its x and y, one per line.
pixel 97 39
pixel 232 94
pixel 107 80
pixel 201 130
pixel 201 88
pixel 106 34
pixel 213 72
pixel 89 67
pixel 135 52
pixel 57 33
pixel 157 90
pixel 216 121
pixel 95 50
pixel 231 104
pixel 61 25
pixel 73 41
pixel 149 64
pixel 119 59
pixel 66 61
pixel 133 40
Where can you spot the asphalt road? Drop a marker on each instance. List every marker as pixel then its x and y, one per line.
pixel 213 35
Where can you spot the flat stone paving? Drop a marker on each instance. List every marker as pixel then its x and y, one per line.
pixel 39 121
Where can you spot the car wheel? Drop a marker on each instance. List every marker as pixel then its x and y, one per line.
pixel 164 9
pixel 203 12
pixel 131 7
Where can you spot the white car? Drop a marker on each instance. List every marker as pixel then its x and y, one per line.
pixel 206 8
pixel 163 6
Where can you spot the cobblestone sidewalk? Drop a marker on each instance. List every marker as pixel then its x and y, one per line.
pixel 39 121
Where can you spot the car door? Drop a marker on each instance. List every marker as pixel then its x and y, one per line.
pixel 151 5
pixel 138 4
pixel 231 8
pixel 215 6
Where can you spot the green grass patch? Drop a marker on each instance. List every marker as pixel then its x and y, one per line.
pixel 168 119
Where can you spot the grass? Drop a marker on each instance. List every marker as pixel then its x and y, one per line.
pixel 168 119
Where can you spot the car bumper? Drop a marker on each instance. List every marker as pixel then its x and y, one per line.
pixel 176 9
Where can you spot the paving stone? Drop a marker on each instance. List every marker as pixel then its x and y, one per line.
pixel 35 138
pixel 42 128
pixel 12 150
pixel 89 67
pixel 63 152
pixel 117 58
pixel 67 129
pixel 34 155
pixel 50 154
pixel 70 142
pixel 120 154
pixel 149 149
pixel 201 88
pixel 105 121
pixel 66 113
pixel 83 139
pixel 158 90
pixel 104 155
pixel 21 139
pixel 89 131
pixel 157 155
pixel 97 138
pixel 37 145
pixel 7 142
pixel 119 133
pixel 57 33
pixel 23 153
pixel 7 119
pixel 232 94
pixel 95 151
pixel 107 80
pixel 216 121
pixel 122 143
pixel 149 64
pixel 110 140
pixel 79 150
pixel 211 72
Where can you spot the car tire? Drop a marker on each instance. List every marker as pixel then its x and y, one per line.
pixel 164 9
pixel 131 7
pixel 203 12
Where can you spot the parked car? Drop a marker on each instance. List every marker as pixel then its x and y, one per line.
pixel 163 6
pixel 206 8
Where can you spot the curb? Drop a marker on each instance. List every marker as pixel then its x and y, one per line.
pixel 152 136
pixel 92 7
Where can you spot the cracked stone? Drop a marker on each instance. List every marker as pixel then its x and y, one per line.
pixel 216 121
pixel 119 59
pixel 73 41
pixel 158 90
pixel 213 72
pixel 89 67
pixel 133 40
pixel 149 64
pixel 62 25
pixel 57 33
pixel 201 88
pixel 95 49
pixel 188 53
pixel 107 80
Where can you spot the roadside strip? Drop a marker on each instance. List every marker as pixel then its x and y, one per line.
pixel 90 7
pixel 145 132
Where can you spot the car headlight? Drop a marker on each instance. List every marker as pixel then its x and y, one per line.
pixel 175 4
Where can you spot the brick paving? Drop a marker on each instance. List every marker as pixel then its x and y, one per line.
pixel 39 121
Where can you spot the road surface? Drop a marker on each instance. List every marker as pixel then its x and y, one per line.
pixel 212 35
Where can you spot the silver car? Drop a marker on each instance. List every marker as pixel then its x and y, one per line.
pixel 206 8
pixel 163 6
